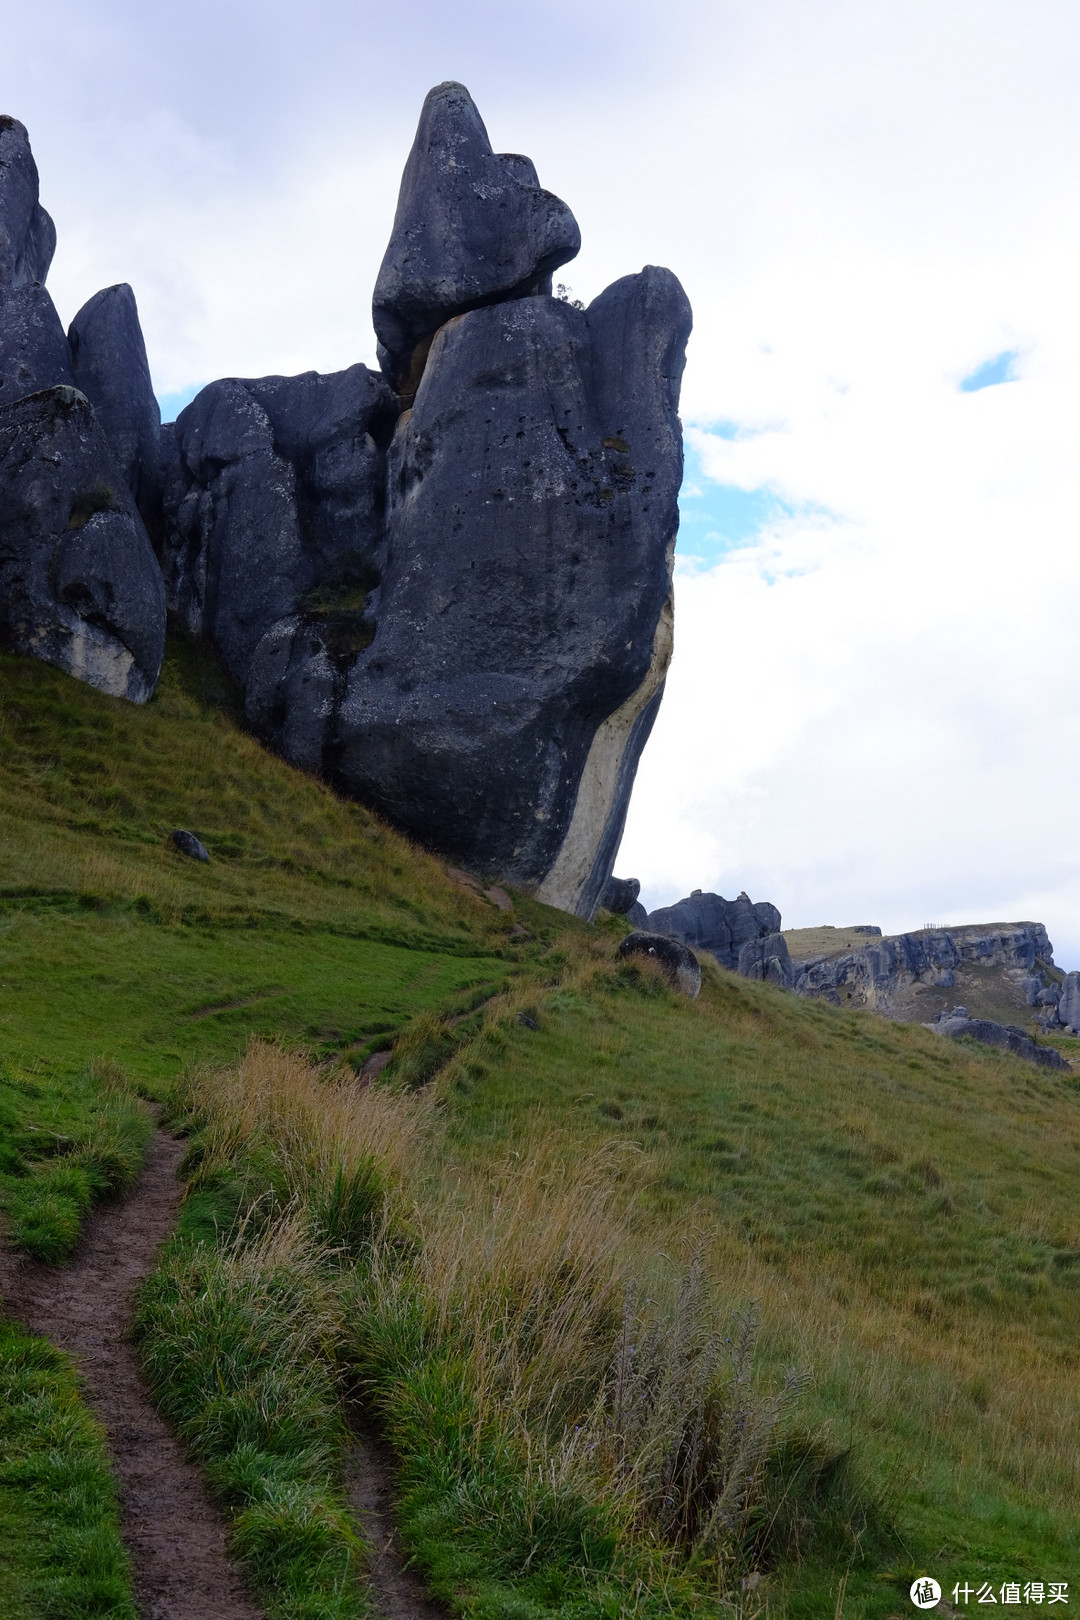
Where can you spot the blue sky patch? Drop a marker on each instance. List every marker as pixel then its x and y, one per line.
pixel 172 404
pixel 716 518
pixel 991 372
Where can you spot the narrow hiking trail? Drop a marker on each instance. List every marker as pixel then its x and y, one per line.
pixel 175 1536
pixel 396 1593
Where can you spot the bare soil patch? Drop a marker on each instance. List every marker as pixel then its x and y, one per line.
pixel 396 1592
pixel 175 1536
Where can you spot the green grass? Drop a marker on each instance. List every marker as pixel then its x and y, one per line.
pixel 901 1209
pixel 61 1556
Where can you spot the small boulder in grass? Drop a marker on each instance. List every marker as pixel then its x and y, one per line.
pixel 188 844
pixel 678 961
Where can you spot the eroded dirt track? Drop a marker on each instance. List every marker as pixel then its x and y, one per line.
pixel 175 1536
pixel 396 1593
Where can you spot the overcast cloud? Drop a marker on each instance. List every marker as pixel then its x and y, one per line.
pixel 871 711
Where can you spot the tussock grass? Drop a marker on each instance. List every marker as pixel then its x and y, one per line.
pixel 485 1320
pixel 61 1554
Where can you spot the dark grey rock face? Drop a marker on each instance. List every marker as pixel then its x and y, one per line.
pixel 619 895
pixel 108 359
pixel 884 968
pixel 273 502
pixel 678 960
pixel 768 959
pixel 472 227
pixel 34 352
pixel 723 927
pixel 1068 1008
pixel 1006 1036
pixel 27 234
pixel 637 916
pixel 188 844
pixel 524 619
pixel 79 583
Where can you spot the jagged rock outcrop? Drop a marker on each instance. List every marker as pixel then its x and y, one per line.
pixel 680 965
pixel 722 927
pixel 465 619
pixel 1008 1037
pixel 109 365
pixel 891 973
pixel 27 234
pixel 79 583
pixel 472 227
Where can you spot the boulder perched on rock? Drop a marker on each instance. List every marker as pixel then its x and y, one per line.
pixel 108 360
pixel 34 352
pixel 1068 1007
pixel 1008 1037
pixel 619 895
pixel 711 923
pixel 79 583
pixel 767 958
pixel 678 961
pixel 472 227
pixel 27 234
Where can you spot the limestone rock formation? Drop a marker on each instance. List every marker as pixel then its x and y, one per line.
pixel 678 961
pixel 1068 1007
pixel 722 927
pixel 472 227
pixel 108 359
pixel 459 613
pixel 79 583
pixel 27 234
pixel 767 958
pixel 34 352
pixel 1006 1036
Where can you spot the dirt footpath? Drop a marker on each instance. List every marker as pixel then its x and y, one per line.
pixel 175 1537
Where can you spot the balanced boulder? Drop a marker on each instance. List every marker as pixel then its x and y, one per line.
pixel 79 584
pixel 472 227
pixel 619 895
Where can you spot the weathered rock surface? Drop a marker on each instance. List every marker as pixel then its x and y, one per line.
pixel 722 927
pixel 767 958
pixel 1006 1036
pixel 273 504
pixel 523 624
pixel 34 352
pixel 1068 1007
pixel 27 234
pixel 472 227
pixel 677 959
pixel 906 975
pixel 108 361
pixel 619 895
pixel 79 583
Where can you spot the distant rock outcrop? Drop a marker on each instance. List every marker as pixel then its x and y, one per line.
pixel 1068 1003
pixel 1007 1036
pixel 708 922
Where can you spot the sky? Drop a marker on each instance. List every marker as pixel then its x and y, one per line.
pixel 875 210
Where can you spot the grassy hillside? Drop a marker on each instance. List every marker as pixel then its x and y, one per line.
pixel 900 1211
